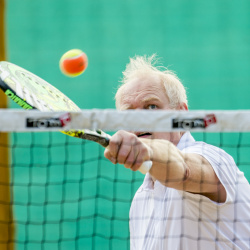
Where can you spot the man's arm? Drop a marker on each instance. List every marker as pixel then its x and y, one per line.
pixel 182 171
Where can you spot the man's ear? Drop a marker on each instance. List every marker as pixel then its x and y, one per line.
pixel 183 106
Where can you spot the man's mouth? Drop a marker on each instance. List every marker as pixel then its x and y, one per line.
pixel 143 134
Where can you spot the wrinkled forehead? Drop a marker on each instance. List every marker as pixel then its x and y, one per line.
pixel 147 83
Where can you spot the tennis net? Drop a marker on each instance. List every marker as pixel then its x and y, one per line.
pixel 65 195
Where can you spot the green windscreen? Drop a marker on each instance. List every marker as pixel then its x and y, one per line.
pixel 66 195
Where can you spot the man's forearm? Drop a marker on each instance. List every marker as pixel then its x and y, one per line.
pixel 169 166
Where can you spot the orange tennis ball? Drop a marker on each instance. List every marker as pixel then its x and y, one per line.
pixel 73 63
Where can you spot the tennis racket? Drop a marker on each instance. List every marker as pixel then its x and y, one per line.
pixel 32 92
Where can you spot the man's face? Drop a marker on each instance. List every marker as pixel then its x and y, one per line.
pixel 147 92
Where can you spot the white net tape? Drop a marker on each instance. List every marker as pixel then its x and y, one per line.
pixel 132 120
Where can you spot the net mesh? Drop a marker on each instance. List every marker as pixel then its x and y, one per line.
pixel 66 195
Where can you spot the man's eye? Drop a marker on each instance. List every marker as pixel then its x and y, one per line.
pixel 152 106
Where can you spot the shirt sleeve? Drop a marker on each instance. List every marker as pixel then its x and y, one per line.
pixel 222 163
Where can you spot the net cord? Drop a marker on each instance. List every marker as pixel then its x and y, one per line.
pixel 132 120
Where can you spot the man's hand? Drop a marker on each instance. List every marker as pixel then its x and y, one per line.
pixel 127 149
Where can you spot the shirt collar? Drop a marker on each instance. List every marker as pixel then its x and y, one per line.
pixel 186 140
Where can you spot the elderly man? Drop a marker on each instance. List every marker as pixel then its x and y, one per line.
pixel 194 196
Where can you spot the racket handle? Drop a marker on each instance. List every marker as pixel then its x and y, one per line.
pixel 145 167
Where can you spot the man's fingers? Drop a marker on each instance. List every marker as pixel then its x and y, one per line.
pixel 108 155
pixel 137 157
pixel 125 148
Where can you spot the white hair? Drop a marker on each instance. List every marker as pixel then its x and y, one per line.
pixel 143 66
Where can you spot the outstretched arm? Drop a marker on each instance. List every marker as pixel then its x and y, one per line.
pixel 182 171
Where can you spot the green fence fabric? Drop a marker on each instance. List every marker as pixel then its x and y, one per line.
pixel 207 43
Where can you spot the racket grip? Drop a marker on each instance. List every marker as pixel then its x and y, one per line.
pixel 145 167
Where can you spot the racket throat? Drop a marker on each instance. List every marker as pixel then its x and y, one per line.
pixel 103 141
pixel 95 136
